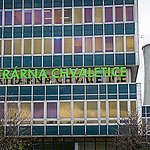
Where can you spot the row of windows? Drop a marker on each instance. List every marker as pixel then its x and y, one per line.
pixel 81 111
pixel 68 60
pixel 8 4
pixel 67 45
pixel 59 16
pixel 145 111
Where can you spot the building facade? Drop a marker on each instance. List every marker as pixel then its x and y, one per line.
pixel 69 113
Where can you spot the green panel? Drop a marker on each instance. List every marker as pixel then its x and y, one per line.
pixel 103 130
pixel 98 29
pixel 7 32
pixel 88 30
pixel 88 2
pixel 57 31
pixel 108 2
pixel 112 89
pixel 25 131
pixel 130 28
pixel 130 59
pixel 27 31
pixel 78 30
pixel 119 28
pixel 17 32
pixel 108 29
pixel 51 90
pixel 47 61
pixel 67 3
pixel 92 130
pixel 27 61
pixel 18 4
pixel 78 89
pixel 99 60
pixel 47 31
pixel 77 2
pixel 37 31
pixel 57 3
pixel 67 60
pixel 8 4
pixel 17 61
pixel 129 1
pixel 57 61
pixel 88 60
pixel 65 130
pixel 123 88
pixel 27 3
pixel 120 59
pixel 109 59
pixel 118 2
pixel 78 60
pixel 37 61
pixel 67 30
pixel 37 3
pixel 112 130
pixel 6 62
pixel 79 130
pixel 52 130
pixel 98 2
pixel 37 130
pixel 47 3
pixel 64 89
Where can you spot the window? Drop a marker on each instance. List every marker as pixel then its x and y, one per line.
pixel 47 16
pixel 57 16
pixel 8 17
pixel 65 110
pixel 88 15
pixel 123 109
pixel 57 45
pixel 109 44
pixel 119 14
pixel 108 14
pixel 129 13
pixel 77 15
pixel 25 111
pixel 103 109
pixel 88 44
pixel 1 110
pixel 0 18
pixel 98 15
pixel 67 16
pixel 91 109
pixel 78 109
pixel 133 108
pixel 47 46
pixel 112 109
pixel 68 45
pixel 27 17
pixel 37 46
pixel 18 17
pixel 77 45
pixel 17 46
pixel 12 110
pixel 38 111
pixel 37 16
pixel 130 43
pixel 27 46
pixel 119 44
pixel 98 44
pixel 7 47
pixel 51 110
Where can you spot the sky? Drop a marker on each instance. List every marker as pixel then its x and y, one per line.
pixel 144 36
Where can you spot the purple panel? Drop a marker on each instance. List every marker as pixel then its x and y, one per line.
pixel 88 15
pixel 8 17
pixel 108 14
pixel 18 17
pixel 27 17
pixel 129 13
pixel 109 44
pixel 119 14
pixel 51 110
pixel 38 17
pixel 0 18
pixel 38 110
pixel 47 16
pixel 1 110
pixel 57 45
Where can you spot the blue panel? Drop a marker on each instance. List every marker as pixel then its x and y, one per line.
pixel 17 32
pixel 112 96
pixel 88 60
pixel 0 17
pixel 37 61
pixel 133 96
pixel 120 59
pixel 38 98
pixel 27 61
pixel 27 3
pixel 67 3
pixel 1 4
pixel 47 61
pixel 37 130
pixel 17 61
pixel 57 61
pixel 68 60
pixel 27 31
pixel 57 31
pixel 58 3
pixel 39 90
pixel 51 90
pixel 78 89
pixel 98 2
pixel 78 30
pixel 8 4
pixel 67 30
pixel 14 98
pixel 2 90
pixel 7 32
pixel 88 30
pixel 51 97
pixel 92 130
pixel 108 29
pixel 123 96
pixel 91 89
pixel 102 96
pixel 25 90
pixel 130 59
pixel 130 28
pixel 112 89
pixel 0 32
pixel 132 88
pixel 147 109
pixel 18 4
pixel 25 131
pixel 12 90
pixel 52 130
pixel 118 2
pixel 103 130
pixel 129 1
pixel 25 98
pixel 47 3
pixel 78 60
pixel 98 29
pixel 123 88
pixel 91 97
pixel 112 130
pixel 47 31
pixel 64 89
pixel 78 130
pixel 88 2
pixel 37 31
pixel 65 97
pixel 99 60
pixel 102 89
pixel 108 2
pixel 109 59
pixel 37 3
pixel 119 28
pixel 77 2
pixel 79 97
pixel 7 62
pixel 65 130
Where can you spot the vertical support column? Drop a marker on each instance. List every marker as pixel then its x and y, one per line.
pixel 75 146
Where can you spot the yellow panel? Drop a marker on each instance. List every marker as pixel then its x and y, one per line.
pixel 7 47
pixel 67 16
pixel 103 109
pixel 65 111
pixel 37 46
pixel 98 44
pixel 47 46
pixel 123 109
pixel 133 108
pixel 0 46
pixel 98 15
pixel 25 111
pixel 12 110
pixel 130 43
pixel 112 109
pixel 27 46
pixel 77 15
pixel 68 45
pixel 88 44
pixel 119 44
pixel 17 46
pixel 91 109
pixel 78 109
